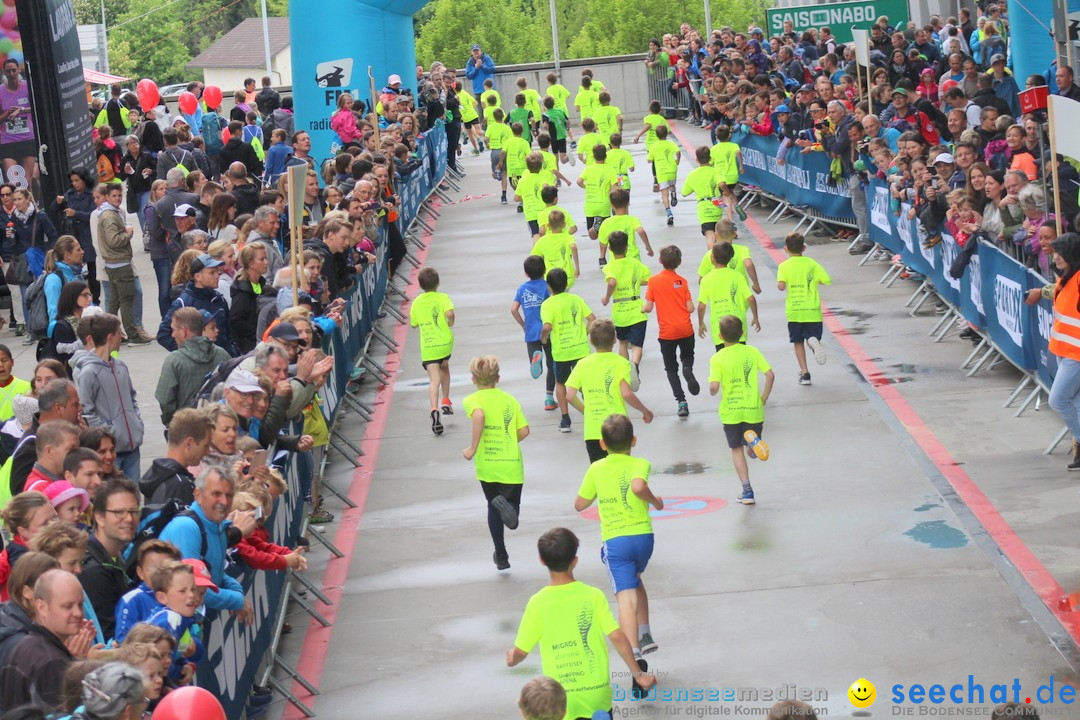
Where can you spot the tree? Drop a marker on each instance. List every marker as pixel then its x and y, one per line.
pixel 508 31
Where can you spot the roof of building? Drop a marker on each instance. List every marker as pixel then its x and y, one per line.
pixel 242 46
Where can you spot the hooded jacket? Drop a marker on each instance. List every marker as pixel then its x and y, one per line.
pixel 166 480
pixel 207 299
pixel 108 398
pixel 244 310
pixel 183 373
pixel 238 150
pixel 104 581
pixel 247 194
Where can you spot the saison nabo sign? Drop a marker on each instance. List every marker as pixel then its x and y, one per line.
pixel 840 17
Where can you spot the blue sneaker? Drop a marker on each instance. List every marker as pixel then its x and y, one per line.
pixel 536 365
pixel 746 497
pixel 756 446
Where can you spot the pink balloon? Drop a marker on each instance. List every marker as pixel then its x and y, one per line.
pixel 147 90
pixel 189 703
pixel 212 96
pixel 188 103
pixel 9 20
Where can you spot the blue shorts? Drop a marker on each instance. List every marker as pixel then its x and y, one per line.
pixel 626 558
pixel 802 331
pixel 632 334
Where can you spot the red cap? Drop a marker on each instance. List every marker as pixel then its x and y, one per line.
pixel 202 573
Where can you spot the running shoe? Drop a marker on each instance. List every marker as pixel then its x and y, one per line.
pixel 521 208
pixel 564 424
pixel 436 423
pixel 638 691
pixel 674 197
pixel 506 512
pixel 756 445
pixel 502 200
pixel 818 349
pixel 740 212
pixel 647 644
pixel 683 410
pixel 502 560
pixel 320 517
pixel 691 382
pixel 549 403
pixel 603 262
pixel 746 497
pixel 635 377
pixel 804 378
pixel 447 408
pixel 536 364
pixel 670 219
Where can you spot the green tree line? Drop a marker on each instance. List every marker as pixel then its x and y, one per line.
pixel 519 31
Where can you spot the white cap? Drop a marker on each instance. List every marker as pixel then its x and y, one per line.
pixel 945 158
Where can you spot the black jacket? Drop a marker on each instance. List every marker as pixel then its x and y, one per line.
pixel 35 671
pixel 986 97
pixel 337 273
pixel 167 480
pixel 244 311
pixel 105 581
pixel 247 197
pixel 238 150
pixel 138 183
pixel 267 100
pixel 24 457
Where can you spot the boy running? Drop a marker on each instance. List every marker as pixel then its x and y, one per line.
pixel 597 179
pixel 498 134
pixel 522 114
pixel 566 320
pixel 733 372
pixel 586 100
pixel 608 118
pixel 515 151
pixel 551 163
pixel 526 312
pixel 652 121
pixel 725 232
pixel 621 160
pixel 569 620
pixel 557 92
pixel 558 249
pixel 625 527
pixel 490 98
pixel 550 195
pixel 724 292
pixel 532 101
pixel 558 128
pixel 665 155
pixel 622 221
pixel 588 141
pixel 527 190
pixel 701 182
pixel 625 276
pixel 498 427
pixel 800 276
pixel 728 161
pixel 669 293
pixel 433 312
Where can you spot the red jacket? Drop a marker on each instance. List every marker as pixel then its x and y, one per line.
pixel 258 552
pixel 12 552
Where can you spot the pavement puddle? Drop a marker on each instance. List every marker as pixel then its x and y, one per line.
pixel 938 534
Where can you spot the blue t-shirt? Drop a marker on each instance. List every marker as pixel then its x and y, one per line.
pixel 530 295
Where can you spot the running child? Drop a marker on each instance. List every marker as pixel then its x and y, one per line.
pixel 490 99
pixel 470 118
pixel 433 313
pixel 586 100
pixel 596 84
pixel 622 221
pixel 532 102
pixel 652 121
pixel 608 117
pixel 603 381
pixel 741 261
pixel 557 92
pixel 800 276
pixel 527 190
pixel 597 180
pixel 733 372
pixel 669 293
pixel 522 114
pixel 625 277
pixel 558 249
pixel 551 163
pixel 498 427
pixel 621 160
pixel 724 292
pixel 625 526
pixel 498 134
pixel 569 620
pixel 665 155
pixel 588 141
pixel 515 150
pixel 558 129
pixel 550 195
pixel 526 312
pixel 728 161
pixel 567 320
pixel 701 182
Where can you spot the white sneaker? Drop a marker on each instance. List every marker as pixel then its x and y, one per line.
pixel 818 350
pixel 635 378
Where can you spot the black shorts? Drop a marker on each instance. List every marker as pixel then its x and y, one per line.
pixel 595 451
pixel 708 227
pixel 440 361
pixel 592 222
pixel 735 432
pixel 633 334
pixel 472 123
pixel 534 227
pixel 730 186
pixel 558 145
pixel 563 368
pixel 802 331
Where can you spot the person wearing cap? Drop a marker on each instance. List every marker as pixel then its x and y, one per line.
pixel 478 68
pixel 163 224
pixel 800 116
pixel 183 372
pixel 180 588
pixel 1005 86
pixel 207 527
pixel 200 293
pixel 945 166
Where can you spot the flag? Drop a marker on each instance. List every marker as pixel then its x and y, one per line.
pixel 861 40
pixel 1066 114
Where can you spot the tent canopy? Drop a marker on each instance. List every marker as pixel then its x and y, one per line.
pixel 99 78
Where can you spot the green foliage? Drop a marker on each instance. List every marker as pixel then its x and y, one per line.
pixel 504 29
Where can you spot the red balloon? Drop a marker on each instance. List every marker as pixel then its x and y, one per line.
pixel 147 90
pixel 188 103
pixel 189 703
pixel 212 95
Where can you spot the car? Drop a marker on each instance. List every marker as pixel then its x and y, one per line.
pixel 172 89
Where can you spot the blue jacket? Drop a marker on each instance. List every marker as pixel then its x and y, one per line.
pixel 83 204
pixel 42 236
pixel 277 157
pixel 1007 90
pixel 53 285
pixel 185 535
pixel 177 625
pixel 479 74
pixel 135 607
pixel 206 299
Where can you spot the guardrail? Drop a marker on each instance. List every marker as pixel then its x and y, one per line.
pixel 235 653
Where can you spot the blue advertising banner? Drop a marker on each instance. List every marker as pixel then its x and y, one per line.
pixel 947 286
pixel 1040 318
pixel 882 220
pixel 802 179
pixel 971 292
pixel 1004 283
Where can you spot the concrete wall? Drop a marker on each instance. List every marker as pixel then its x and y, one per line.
pixel 623 76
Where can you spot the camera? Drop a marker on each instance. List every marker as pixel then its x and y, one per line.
pixel 821 124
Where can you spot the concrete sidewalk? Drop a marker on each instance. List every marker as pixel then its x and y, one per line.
pixel 858 561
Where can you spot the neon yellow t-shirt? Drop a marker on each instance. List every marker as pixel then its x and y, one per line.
pixel 489 115
pixel 586 102
pixel 498 456
pixel 662 155
pixel 468 106
pixel 528 189
pixel 724 161
pixel 566 314
pixel 570 623
pixel 802 275
pixel 532 102
pixel 652 122
pixel 606 118
pixel 516 150
pixel 610 480
pixel 629 274
pixel 16 387
pixel 599 377
pixel 623 162
pixel 551 163
pixel 559 94
pixel 585 145
pixel 598 181
pixel 724 292
pixel 428 312
pixel 497 134
pixel 736 368
pixel 490 93
pixel 542 217
pixel 738 262
pixel 701 182
pixel 625 223
pixel 556 249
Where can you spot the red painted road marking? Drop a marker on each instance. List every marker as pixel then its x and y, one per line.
pixel 1034 572
pixel 674 507
pixel 317 639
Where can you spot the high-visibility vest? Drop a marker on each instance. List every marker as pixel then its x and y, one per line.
pixel 1065 335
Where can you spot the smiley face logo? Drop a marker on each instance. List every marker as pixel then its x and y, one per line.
pixel 862 693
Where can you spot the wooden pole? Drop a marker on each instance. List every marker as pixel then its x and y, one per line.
pixel 858 81
pixel 869 77
pixel 374 105
pixel 1053 164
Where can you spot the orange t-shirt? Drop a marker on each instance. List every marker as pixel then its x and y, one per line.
pixel 1025 163
pixel 670 292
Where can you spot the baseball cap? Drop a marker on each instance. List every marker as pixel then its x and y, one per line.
pixel 243 381
pixel 997 57
pixel 944 158
pixel 807 88
pixel 207 317
pixel 475 47
pixel 184 210
pixel 60 491
pixel 783 109
pixel 285 331
pixel 202 573
pixel 393 80
pixel 204 261
pixel 900 91
pixel 756 31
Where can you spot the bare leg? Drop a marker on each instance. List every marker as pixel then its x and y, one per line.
pixel 560 397
pixel 800 355
pixel 628 615
pixel 635 354
pixel 624 349
pixel 642 604
pixel 741 468
pixel 444 379
pixel 434 376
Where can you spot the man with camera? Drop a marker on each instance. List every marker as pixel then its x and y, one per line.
pixel 841 138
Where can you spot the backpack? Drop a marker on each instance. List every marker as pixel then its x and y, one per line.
pixel 211 133
pixel 213 379
pixel 37 310
pixel 105 170
pixel 154 518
